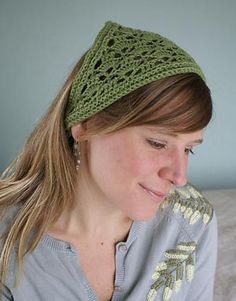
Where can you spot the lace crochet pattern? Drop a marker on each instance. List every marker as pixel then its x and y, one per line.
pixel 121 60
pixel 190 203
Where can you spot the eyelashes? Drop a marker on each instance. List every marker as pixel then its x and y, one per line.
pixel 189 151
pixel 156 144
pixel 159 145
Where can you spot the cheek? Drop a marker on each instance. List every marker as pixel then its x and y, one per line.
pixel 133 162
pixel 106 160
pixel 119 162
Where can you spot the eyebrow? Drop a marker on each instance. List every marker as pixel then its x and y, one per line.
pixel 197 141
pixel 160 131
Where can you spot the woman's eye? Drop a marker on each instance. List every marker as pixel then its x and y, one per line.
pixel 156 144
pixel 160 145
pixel 189 151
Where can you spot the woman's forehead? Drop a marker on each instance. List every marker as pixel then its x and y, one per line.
pixel 195 137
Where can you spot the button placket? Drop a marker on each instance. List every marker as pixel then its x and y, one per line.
pixel 118 289
pixel 121 249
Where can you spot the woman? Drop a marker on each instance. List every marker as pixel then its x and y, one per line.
pixel 97 205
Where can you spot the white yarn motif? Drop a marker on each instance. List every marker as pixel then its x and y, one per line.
pixel 190 203
pixel 179 265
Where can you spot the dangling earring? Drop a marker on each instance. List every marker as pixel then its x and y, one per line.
pixel 76 153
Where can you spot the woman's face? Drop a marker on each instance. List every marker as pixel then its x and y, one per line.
pixel 134 168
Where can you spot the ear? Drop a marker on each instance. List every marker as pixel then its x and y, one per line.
pixel 78 131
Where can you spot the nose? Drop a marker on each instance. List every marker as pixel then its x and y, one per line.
pixel 175 169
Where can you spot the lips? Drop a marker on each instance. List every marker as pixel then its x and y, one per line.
pixel 156 195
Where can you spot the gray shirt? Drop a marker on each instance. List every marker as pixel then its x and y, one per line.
pixel 171 257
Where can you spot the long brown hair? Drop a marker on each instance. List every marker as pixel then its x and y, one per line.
pixel 40 182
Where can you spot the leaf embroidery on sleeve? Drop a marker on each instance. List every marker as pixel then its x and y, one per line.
pixel 179 265
pixel 190 203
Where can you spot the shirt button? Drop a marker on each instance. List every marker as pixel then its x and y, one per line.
pixel 122 248
pixel 118 289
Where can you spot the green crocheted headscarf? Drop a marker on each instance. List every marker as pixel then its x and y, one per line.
pixel 121 60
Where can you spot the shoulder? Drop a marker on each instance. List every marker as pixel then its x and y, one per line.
pixel 7 218
pixel 185 216
pixel 187 207
pixel 190 203
pixel 184 239
pixel 6 221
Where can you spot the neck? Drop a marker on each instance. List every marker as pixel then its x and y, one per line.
pixel 93 218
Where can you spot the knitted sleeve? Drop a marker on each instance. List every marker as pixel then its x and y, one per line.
pixel 202 285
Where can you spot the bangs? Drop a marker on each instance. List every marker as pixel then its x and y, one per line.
pixel 183 108
pixel 180 104
pixel 183 105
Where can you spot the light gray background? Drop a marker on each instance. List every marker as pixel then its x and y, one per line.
pixel 40 41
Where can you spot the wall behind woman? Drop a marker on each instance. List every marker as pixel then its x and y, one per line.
pixel 41 41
